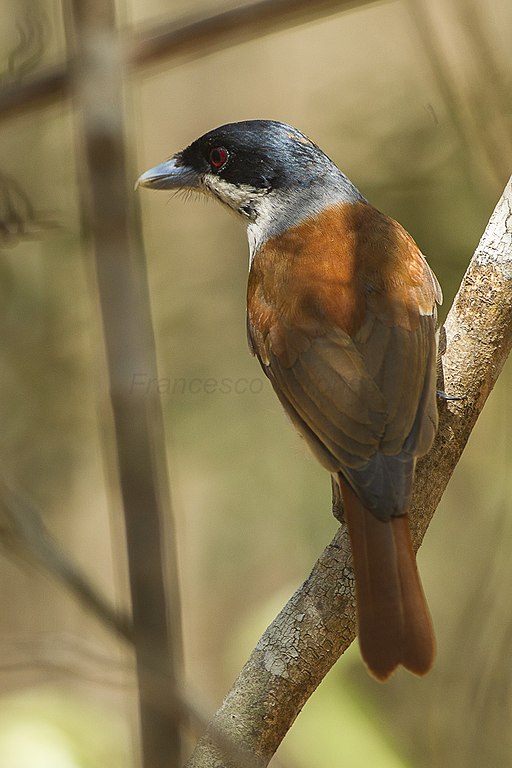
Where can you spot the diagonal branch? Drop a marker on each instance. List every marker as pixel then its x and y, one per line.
pixel 200 36
pixel 24 534
pixel 192 37
pixel 318 623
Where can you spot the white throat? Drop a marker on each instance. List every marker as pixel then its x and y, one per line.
pixel 270 212
pixel 236 196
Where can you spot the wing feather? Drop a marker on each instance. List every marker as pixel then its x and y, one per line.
pixel 361 393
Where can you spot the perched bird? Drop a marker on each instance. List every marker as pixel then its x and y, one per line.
pixel 341 314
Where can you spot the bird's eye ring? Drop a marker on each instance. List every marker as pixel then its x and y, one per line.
pixel 218 157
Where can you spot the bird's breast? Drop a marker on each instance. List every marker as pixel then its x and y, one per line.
pixel 334 267
pixel 308 276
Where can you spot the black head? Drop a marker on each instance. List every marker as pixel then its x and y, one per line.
pixel 262 154
pixel 244 163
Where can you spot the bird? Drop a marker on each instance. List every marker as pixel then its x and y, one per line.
pixel 341 314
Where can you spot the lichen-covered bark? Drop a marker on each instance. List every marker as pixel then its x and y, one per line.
pixel 291 658
pixel 474 343
pixel 318 623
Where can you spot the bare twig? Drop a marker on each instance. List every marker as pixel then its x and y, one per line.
pixel 139 451
pixel 194 37
pixel 197 37
pixel 18 218
pixel 318 623
pixel 35 92
pixel 24 534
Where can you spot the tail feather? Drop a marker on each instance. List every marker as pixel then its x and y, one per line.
pixel 394 623
pixel 419 645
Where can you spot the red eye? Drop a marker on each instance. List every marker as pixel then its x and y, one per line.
pixel 218 157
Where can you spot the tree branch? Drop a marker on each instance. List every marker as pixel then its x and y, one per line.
pixel 24 534
pixel 192 37
pixel 198 37
pixel 318 623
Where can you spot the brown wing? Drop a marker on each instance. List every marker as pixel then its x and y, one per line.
pixel 341 314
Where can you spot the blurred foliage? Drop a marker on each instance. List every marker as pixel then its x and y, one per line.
pixel 252 507
pixel 51 730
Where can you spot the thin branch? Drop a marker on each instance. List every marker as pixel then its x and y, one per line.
pixel 24 534
pixel 18 218
pixel 36 92
pixel 171 41
pixel 194 38
pixel 318 623
pixel 138 454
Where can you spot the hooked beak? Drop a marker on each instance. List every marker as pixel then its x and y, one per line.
pixel 170 175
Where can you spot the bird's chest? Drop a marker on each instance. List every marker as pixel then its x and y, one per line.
pixel 308 278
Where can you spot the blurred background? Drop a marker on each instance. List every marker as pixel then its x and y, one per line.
pixel 412 99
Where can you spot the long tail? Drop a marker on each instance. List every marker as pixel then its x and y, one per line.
pixel 394 623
